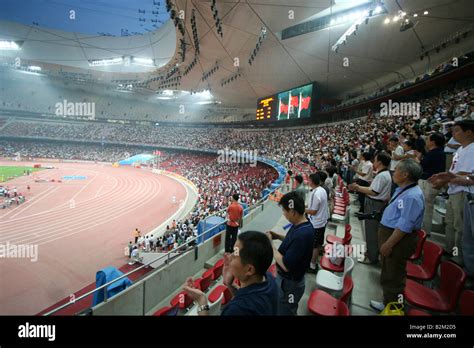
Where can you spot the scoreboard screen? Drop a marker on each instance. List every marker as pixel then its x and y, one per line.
pixel 293 104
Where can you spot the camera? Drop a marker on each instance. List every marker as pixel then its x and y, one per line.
pixel 470 198
pixel 375 215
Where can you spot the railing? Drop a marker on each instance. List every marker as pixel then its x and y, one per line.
pixel 252 210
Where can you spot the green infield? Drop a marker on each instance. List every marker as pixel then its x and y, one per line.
pixel 8 173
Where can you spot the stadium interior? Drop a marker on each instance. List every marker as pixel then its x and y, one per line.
pixel 126 128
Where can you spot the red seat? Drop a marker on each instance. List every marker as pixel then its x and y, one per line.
pixel 217 271
pixel 273 269
pixel 339 211
pixel 332 239
pixel 164 311
pixel 443 299
pixel 183 300
pixel 208 273
pixel 219 263
pixel 427 269
pixel 204 282
pixel 419 245
pixel 216 293
pixel 418 313
pixel 347 289
pixel 467 302
pixel 321 303
pixel 326 264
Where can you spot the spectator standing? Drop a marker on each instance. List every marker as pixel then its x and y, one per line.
pixel 318 216
pixel 378 194
pixel 234 220
pixel 463 164
pixel 402 217
pixel 137 235
pixel 433 162
pixel 300 189
pixel 294 254
pixel 364 175
pixel 397 152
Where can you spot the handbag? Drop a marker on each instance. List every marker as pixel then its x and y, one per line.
pixel 393 309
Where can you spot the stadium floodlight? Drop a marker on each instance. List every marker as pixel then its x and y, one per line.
pixel 34 68
pixel 106 62
pixel 378 10
pixel 9 45
pixel 143 61
pixel 351 3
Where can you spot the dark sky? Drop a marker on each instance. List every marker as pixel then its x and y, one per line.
pixel 92 16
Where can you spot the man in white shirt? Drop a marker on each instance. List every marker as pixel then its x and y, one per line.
pixel 318 216
pixel 463 164
pixel 147 244
pixel 364 174
pixel 378 194
pixel 397 152
pixel 451 147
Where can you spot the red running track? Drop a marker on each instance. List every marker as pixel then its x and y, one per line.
pixel 80 226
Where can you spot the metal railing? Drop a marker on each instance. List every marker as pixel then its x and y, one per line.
pixel 252 210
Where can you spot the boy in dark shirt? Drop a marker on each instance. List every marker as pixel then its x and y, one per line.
pixel 258 293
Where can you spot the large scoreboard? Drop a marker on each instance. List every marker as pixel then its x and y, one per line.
pixel 293 104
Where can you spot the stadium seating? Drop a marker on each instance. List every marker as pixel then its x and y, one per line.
pixel 322 303
pixel 331 239
pixel 217 271
pixel 331 281
pixel 466 303
pixel 419 245
pixel 182 300
pixel 166 311
pixel 427 269
pixel 204 282
pixel 325 261
pixel 417 313
pixel 216 293
pixel 442 299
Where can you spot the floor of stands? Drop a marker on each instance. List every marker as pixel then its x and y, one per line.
pixel 366 277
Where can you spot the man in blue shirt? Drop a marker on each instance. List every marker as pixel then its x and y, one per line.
pixel 258 292
pixel 294 254
pixel 402 217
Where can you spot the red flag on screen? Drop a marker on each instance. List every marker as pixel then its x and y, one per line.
pixel 295 101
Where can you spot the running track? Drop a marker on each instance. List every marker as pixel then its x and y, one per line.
pixel 80 226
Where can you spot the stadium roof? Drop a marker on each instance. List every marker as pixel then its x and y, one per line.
pixel 378 54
